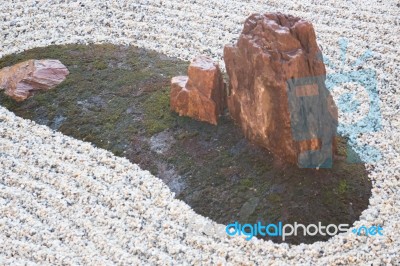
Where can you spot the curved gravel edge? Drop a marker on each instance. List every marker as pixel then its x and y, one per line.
pixel 63 200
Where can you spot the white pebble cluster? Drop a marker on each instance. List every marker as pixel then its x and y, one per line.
pixel 63 201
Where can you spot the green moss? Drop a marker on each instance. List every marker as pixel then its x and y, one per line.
pixel 248 183
pixel 158 117
pixel 274 198
pixel 93 139
pixel 118 152
pixel 343 187
pixel 117 97
pixel 224 159
pixel 187 135
pixel 328 198
pixel 7 102
pixel 186 163
pixel 131 130
pixel 41 98
pixel 109 126
pixel 112 118
pixel 100 65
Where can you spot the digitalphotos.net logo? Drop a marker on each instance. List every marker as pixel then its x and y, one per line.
pixel 348 104
pixel 284 230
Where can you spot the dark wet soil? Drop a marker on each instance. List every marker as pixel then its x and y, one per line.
pixel 117 98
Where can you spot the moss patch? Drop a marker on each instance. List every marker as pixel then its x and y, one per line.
pixel 117 97
pixel 342 186
pixel 246 182
pixel 156 110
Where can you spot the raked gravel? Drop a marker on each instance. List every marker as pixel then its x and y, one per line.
pixel 64 201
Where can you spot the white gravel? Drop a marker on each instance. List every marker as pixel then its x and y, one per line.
pixel 64 201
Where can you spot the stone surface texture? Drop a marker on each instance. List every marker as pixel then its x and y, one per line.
pixel 199 95
pixel 277 92
pixel 21 80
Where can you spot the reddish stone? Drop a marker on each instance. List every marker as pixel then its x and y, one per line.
pixel 199 95
pixel 21 80
pixel 277 91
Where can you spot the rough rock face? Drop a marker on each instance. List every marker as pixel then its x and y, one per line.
pixel 277 91
pixel 199 95
pixel 20 80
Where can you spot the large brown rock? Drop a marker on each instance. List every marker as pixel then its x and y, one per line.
pixel 277 91
pixel 199 95
pixel 21 80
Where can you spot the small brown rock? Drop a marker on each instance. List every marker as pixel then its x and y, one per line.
pixel 199 95
pixel 21 80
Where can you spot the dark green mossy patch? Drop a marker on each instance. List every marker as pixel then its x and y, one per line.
pixel 342 186
pixel 100 65
pixel 247 183
pixel 156 110
pixel 117 98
